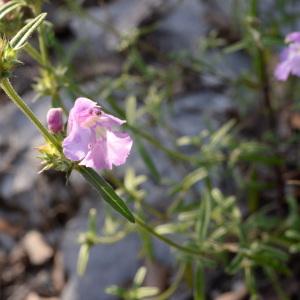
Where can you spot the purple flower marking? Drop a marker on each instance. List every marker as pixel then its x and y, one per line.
pixel 93 139
pixel 289 58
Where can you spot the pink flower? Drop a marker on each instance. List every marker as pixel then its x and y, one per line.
pixel 55 120
pixel 289 58
pixel 93 139
pixel 293 37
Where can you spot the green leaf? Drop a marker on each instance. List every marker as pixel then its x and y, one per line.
pixel 106 191
pixel 273 252
pixel 199 284
pixel 145 292
pixel 131 109
pixel 83 258
pixel 147 160
pixel 235 264
pixel 92 221
pixel 115 290
pixel 221 133
pixel 170 228
pixel 20 39
pixel 238 46
pixel 9 7
pixel 140 276
pixel 191 179
pixel 292 234
pixel 204 216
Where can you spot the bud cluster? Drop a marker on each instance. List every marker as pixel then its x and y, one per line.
pixel 8 57
pixel 11 20
pixel 53 159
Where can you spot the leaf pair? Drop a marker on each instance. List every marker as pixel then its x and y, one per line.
pixel 10 6
pixel 20 39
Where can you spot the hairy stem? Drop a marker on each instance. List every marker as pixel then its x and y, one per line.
pixel 19 102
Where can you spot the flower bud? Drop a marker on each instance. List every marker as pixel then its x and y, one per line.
pixel 55 120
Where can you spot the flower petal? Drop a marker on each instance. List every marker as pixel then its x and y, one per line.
pixel 91 137
pixel 76 144
pixel 83 104
pixel 97 158
pixel 108 121
pixel 118 147
pixel 293 37
pixel 283 70
pixel 81 111
pixel 295 63
pixel 113 150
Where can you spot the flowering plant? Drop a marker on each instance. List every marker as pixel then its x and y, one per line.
pixel 92 138
pixel 223 203
pixel 290 58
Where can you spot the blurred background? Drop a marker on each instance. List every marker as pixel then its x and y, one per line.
pixel 179 70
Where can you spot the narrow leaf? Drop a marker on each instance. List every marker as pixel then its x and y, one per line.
pixel 115 290
pixel 83 258
pixel 92 221
pixel 140 276
pixel 107 192
pixel 147 160
pixel 204 216
pixel 145 292
pixel 9 7
pixel 131 109
pixel 188 181
pixel 235 264
pixel 23 34
pixel 222 132
pixel 199 293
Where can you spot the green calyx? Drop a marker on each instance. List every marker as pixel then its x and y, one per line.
pixel 9 49
pixel 8 58
pixel 51 158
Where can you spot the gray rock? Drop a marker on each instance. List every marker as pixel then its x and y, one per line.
pixel 108 264
pixel 22 176
pixel 6 242
pixel 21 137
pixel 107 24
pixel 195 112
pixel 21 133
pixel 127 15
pixel 183 27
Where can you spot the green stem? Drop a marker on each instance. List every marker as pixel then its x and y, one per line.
pixel 110 239
pixel 276 284
pixel 19 102
pixel 43 48
pixel 41 39
pixel 36 9
pixel 250 282
pixel 173 287
pixel 42 58
pixel 166 240
pixel 199 282
pixel 33 53
pixel 174 154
